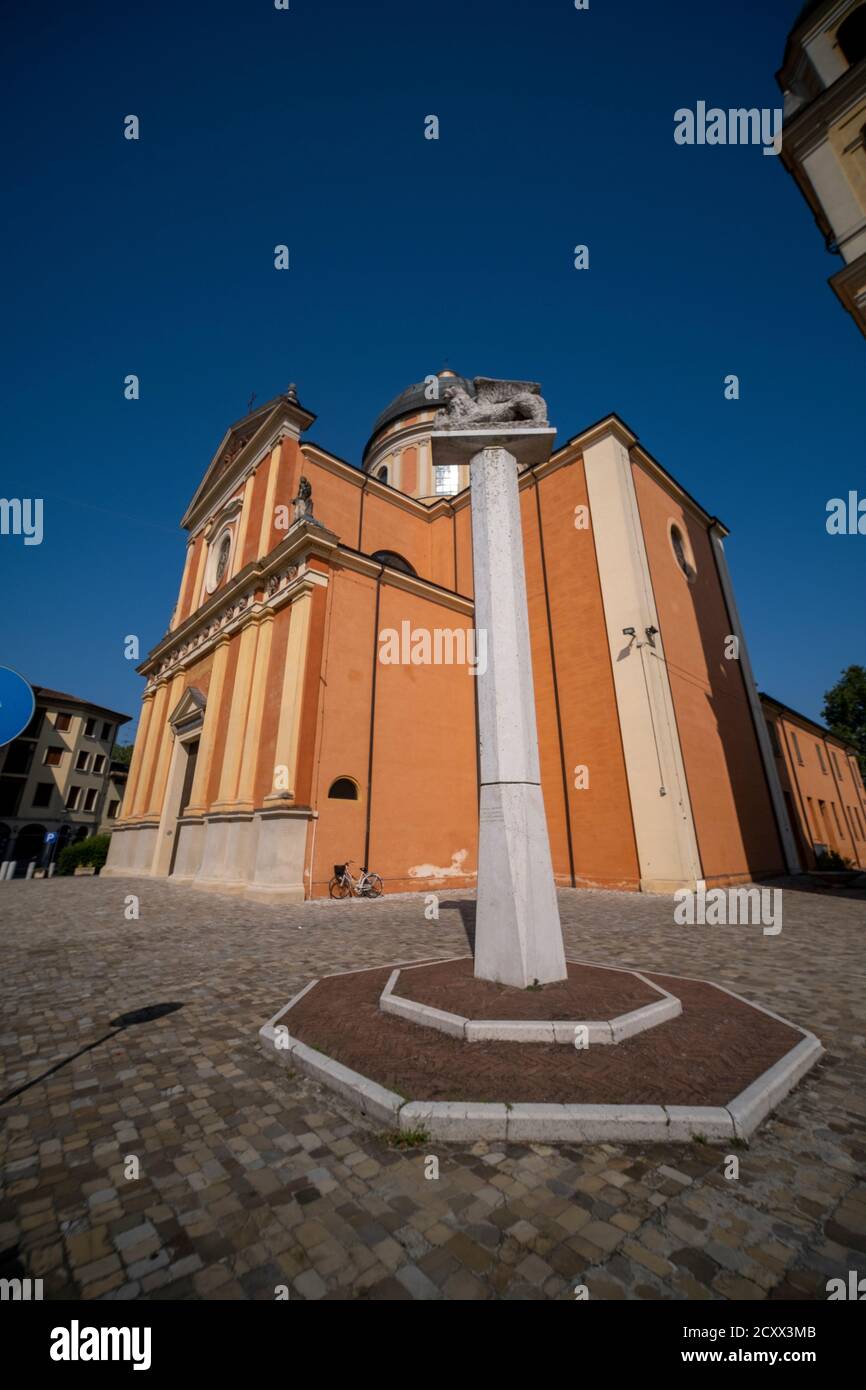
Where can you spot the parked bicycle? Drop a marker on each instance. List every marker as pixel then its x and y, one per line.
pixel 344 885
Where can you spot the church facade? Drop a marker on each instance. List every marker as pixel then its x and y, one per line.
pixel 314 700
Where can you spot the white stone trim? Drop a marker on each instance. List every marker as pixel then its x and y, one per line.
pixel 660 805
pixel 462 1121
pixel 605 1032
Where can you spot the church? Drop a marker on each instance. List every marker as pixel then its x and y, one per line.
pixel 315 698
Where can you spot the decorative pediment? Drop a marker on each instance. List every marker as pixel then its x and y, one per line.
pixel 189 709
pixel 254 431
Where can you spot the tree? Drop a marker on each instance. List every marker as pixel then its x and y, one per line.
pixel 845 710
pixel 122 753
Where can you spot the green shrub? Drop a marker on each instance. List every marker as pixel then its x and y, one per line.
pixel 92 851
pixel 829 859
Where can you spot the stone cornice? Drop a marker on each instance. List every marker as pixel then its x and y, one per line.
pixel 374 487
pixel 266 585
pixel 612 425
pixel 412 584
pixel 808 126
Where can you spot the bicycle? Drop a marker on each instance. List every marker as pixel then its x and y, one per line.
pixel 343 885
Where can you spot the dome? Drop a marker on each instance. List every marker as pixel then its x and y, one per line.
pixel 414 399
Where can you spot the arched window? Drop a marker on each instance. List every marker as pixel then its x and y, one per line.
pixel 851 36
pixel 393 561
pixel 344 789
pixel 383 473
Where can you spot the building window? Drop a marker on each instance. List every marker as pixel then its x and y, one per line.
pixel 63 721
pixel 32 730
pixel 72 798
pixel 82 762
pixel 821 763
pixel 106 732
pixel 857 821
pixel 445 479
pixel 382 474
pixel 344 789
pixel 774 738
pixel 113 808
pixel 851 36
pixel 99 764
pixel 53 757
pixel 836 819
pixel 90 728
pixel 682 552
pixel 835 766
pixel 89 798
pixel 393 561
pixel 42 793
pixel 797 749
pixel 19 756
pixel 10 795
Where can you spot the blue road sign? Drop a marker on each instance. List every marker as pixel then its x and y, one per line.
pixel 17 703
pixel 50 837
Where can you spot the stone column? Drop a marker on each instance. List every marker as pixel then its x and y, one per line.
pixel 138 754
pixel 150 752
pixel 243 526
pixel 252 734
pixel 198 803
pixel 237 721
pixel 165 746
pixel 187 565
pixel 518 937
pixel 294 668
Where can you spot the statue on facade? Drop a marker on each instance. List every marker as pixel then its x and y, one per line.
pixel 519 404
pixel 303 503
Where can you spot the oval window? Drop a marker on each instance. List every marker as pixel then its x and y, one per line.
pixel 218 561
pixel 682 552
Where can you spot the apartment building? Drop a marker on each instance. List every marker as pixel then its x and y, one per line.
pixel 58 776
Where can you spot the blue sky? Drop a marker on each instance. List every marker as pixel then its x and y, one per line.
pixel 306 127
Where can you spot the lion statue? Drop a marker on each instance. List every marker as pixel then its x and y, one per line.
pixel 518 403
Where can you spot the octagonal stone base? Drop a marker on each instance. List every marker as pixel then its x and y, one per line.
pixel 522 1120
pixel 527 1030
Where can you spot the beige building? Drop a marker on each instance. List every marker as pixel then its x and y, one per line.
pixel 823 78
pixel 58 776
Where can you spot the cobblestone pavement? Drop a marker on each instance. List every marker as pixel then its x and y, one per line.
pixel 251 1178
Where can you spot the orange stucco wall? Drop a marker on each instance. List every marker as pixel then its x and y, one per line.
pixel 827 799
pixel 406 734
pixel 422 790
pixel 387 526
pixel 188 595
pixel 602 838
pixel 734 819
